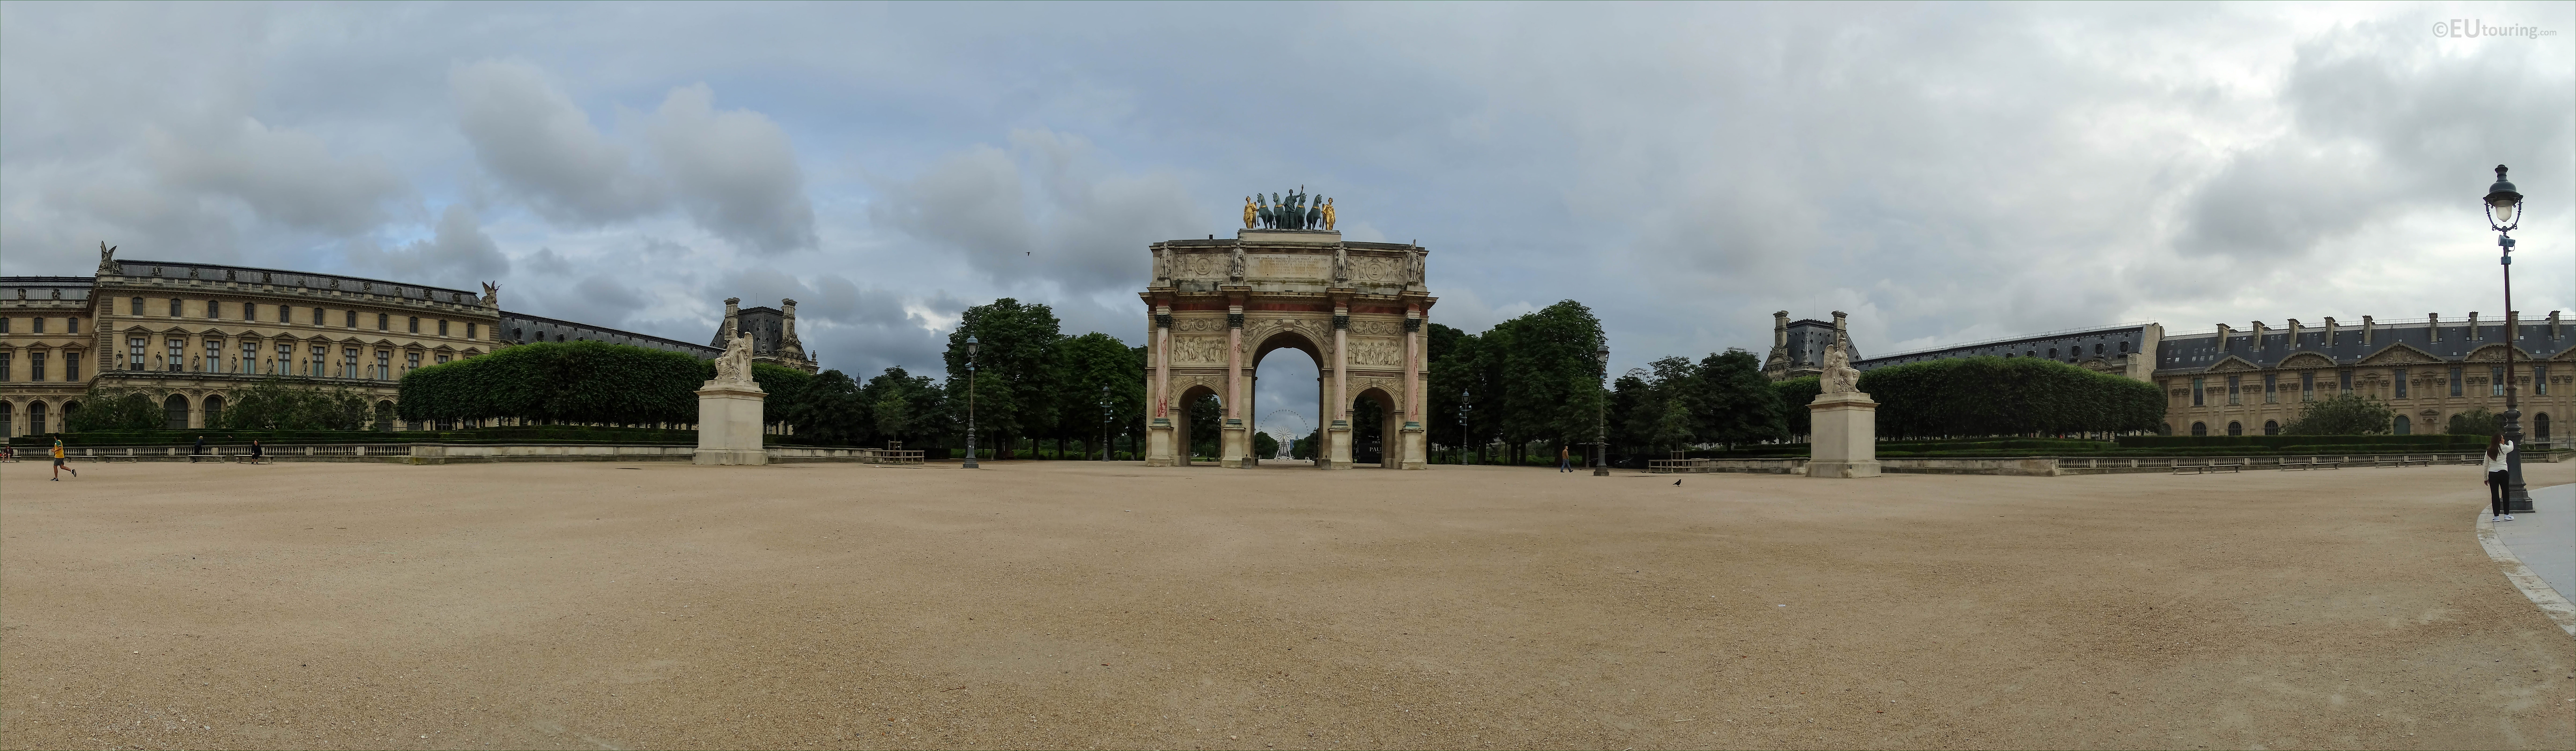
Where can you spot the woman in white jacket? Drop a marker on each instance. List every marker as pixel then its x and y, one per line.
pixel 2498 476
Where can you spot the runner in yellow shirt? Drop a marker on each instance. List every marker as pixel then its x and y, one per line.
pixel 58 462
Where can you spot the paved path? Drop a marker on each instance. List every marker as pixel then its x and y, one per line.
pixel 2545 539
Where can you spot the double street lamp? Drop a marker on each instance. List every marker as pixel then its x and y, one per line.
pixel 1463 440
pixel 2504 215
pixel 971 346
pixel 1104 423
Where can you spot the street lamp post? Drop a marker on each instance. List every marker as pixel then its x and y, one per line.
pixel 1601 416
pixel 1463 440
pixel 1104 423
pixel 971 346
pixel 2504 215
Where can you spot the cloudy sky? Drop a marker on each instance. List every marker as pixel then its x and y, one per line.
pixel 1943 172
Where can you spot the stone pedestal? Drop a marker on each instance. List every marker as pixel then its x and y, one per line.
pixel 1843 442
pixel 1413 447
pixel 1158 443
pixel 1339 434
pixel 729 423
pixel 1234 445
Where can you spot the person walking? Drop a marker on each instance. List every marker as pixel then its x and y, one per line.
pixel 2499 475
pixel 1564 459
pixel 58 462
pixel 199 450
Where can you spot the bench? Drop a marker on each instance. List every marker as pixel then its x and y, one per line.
pixel 2196 469
pixel 2319 464
pixel 2405 461
pixel 112 458
pixel 248 459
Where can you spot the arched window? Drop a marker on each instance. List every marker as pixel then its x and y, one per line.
pixel 214 411
pixel 174 412
pixel 2235 428
pixel 36 418
pixel 2271 427
pixel 2405 426
pixel 8 416
pixel 2200 428
pixel 2539 426
pixel 384 416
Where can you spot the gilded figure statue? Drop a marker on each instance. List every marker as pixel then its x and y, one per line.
pixel 1328 213
pixel 1250 214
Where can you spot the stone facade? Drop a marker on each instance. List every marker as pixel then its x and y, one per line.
pixel 190 333
pixel 1215 307
pixel 2252 381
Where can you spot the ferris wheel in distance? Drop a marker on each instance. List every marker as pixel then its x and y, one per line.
pixel 1271 424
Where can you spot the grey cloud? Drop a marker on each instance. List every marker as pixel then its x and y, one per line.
pixel 735 172
pixel 457 255
pixel 1084 229
pixel 283 175
pixel 541 147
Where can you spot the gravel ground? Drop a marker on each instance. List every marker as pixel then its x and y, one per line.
pixel 1092 605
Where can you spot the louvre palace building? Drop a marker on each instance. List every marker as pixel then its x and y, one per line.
pixel 2252 381
pixel 190 333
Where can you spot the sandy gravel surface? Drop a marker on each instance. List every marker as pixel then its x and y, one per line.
pixel 1083 605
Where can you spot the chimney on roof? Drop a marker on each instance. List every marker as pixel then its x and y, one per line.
pixel 2473 326
pixel 2433 327
pixel 733 318
pixel 1780 329
pixel 2294 334
pixel 2222 338
pixel 2367 329
pixel 2553 324
pixel 2330 331
pixel 2258 336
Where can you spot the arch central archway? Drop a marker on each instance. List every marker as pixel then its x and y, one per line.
pixel 1216 307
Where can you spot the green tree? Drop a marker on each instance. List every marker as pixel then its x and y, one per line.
pixel 573 382
pixel 827 410
pixel 1090 365
pixel 2477 422
pixel 1733 403
pixel 1982 396
pixel 1016 370
pixel 281 403
pixel 1794 395
pixel 2345 413
pixel 1264 446
pixel 906 407
pixel 115 408
pixel 1552 386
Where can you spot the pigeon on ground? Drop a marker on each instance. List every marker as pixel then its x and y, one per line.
pixel 1677 482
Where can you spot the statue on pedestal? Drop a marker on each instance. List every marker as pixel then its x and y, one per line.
pixel 1840 377
pixel 1328 213
pixel 1250 214
pixel 107 260
pixel 491 294
pixel 1341 265
pixel 734 366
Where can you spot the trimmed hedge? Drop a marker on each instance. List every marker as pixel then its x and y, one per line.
pixel 520 434
pixel 2442 442
pixel 1994 396
pixel 578 382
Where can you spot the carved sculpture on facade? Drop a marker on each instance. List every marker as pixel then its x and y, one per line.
pixel 1234 266
pixel 491 294
pixel 1840 377
pixel 1341 265
pixel 1162 266
pixel 1413 265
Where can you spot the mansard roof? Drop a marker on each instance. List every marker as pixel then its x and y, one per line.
pixel 2390 343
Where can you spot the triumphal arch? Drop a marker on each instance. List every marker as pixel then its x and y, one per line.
pixel 1286 281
